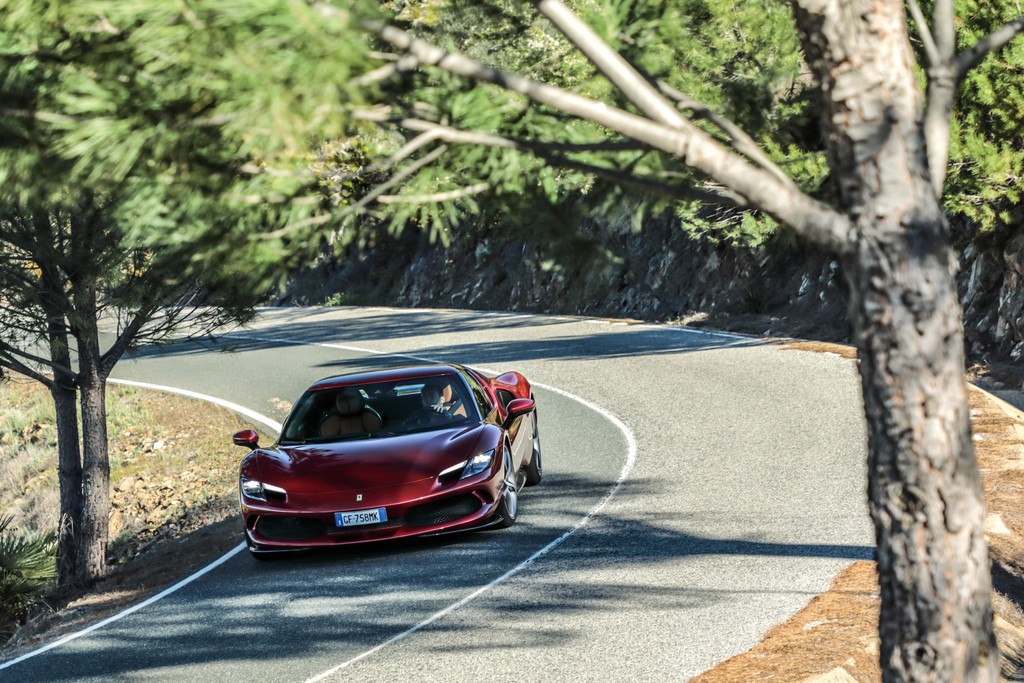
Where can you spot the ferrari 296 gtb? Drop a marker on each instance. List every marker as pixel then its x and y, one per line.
pixel 407 451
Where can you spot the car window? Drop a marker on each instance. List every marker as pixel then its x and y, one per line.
pixel 376 410
pixel 505 396
pixel 483 401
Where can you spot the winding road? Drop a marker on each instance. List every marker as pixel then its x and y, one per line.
pixel 699 488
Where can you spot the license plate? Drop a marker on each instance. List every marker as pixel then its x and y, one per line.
pixel 359 517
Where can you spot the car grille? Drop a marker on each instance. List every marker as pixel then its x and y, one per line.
pixel 290 528
pixel 443 511
pixel 428 514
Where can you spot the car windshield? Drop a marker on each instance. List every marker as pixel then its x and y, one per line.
pixel 373 410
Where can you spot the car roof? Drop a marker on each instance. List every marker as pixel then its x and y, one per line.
pixel 407 372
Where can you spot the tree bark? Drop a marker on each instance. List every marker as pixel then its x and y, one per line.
pixel 924 486
pixel 69 460
pixel 53 299
pixel 92 549
pixel 92 546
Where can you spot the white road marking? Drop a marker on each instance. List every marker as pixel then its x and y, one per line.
pixel 276 426
pixel 623 474
pixel 252 415
pixel 241 410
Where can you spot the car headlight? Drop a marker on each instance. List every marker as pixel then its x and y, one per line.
pixel 257 490
pixel 468 468
pixel 477 464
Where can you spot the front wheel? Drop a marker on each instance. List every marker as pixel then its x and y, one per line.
pixel 508 504
pixel 534 472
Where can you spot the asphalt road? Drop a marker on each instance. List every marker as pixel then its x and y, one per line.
pixel 704 489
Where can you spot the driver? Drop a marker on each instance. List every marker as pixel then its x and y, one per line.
pixel 431 397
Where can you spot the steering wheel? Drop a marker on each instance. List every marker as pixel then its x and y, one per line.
pixel 423 416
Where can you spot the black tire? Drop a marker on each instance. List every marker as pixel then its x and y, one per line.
pixel 508 504
pixel 535 471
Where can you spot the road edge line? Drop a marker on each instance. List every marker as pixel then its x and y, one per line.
pixel 623 474
pixel 251 414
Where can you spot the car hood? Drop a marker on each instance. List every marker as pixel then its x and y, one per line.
pixel 368 463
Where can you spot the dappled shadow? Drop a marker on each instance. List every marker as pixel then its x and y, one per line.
pixel 318 324
pixel 252 618
pixel 600 345
pixel 343 601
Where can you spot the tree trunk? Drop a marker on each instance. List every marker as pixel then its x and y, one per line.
pixel 924 486
pixel 92 548
pixel 69 455
pixel 69 469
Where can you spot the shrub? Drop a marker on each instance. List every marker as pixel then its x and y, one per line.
pixel 27 567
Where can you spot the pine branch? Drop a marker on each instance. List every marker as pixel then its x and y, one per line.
pixel 440 131
pixel 807 217
pixel 649 185
pixel 407 172
pixel 125 338
pixel 992 42
pixel 930 49
pixel 550 152
pixel 14 364
pixel 740 141
pixel 435 197
pixel 610 63
pixel 16 359
pixel 943 31
pixel 650 99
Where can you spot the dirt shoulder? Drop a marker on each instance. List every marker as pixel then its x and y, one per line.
pixel 834 639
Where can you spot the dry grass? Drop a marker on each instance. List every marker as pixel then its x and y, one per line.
pixel 173 500
pixel 841 350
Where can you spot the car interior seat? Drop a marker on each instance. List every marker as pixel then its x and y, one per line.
pixel 453 404
pixel 351 415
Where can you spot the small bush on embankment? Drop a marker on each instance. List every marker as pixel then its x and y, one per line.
pixel 27 569
pixel 173 472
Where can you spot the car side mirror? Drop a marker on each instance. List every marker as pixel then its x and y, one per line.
pixel 517 408
pixel 247 437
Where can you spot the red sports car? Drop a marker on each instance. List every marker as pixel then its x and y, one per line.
pixel 409 451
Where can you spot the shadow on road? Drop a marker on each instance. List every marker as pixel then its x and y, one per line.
pixel 604 344
pixel 341 602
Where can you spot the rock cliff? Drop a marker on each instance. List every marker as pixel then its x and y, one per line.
pixel 658 274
